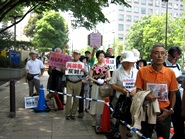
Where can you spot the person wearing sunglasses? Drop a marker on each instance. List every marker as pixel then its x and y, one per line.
pixel 174 54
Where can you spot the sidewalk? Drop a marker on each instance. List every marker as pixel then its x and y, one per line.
pixel 30 125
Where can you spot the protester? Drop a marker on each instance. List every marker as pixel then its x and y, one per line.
pixel 55 79
pixel 90 56
pixel 122 76
pixel 74 85
pixel 162 82
pixel 43 57
pixel 137 55
pixel 111 52
pixel 85 89
pixel 141 63
pixel 34 70
pixel 183 101
pixel 174 54
pixel 118 61
pixel 99 74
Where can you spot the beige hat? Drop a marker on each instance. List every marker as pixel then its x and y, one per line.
pixel 76 51
pixel 136 53
pixel 32 52
pixel 128 56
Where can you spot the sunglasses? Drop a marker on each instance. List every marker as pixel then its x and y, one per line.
pixel 175 58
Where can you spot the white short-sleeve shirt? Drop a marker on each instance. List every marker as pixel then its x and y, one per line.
pixel 119 75
pixel 34 66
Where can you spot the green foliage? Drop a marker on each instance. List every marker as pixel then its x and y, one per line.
pixel 150 30
pixel 30 28
pixel 117 47
pixel 4 62
pixel 51 31
pixel 87 13
pixel 6 39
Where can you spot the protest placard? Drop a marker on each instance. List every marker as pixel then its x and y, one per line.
pixel 95 39
pixel 111 62
pixel 31 102
pixel 74 68
pixel 57 59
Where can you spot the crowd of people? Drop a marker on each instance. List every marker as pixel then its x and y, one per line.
pixel 158 82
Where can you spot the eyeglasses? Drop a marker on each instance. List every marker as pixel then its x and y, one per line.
pixel 175 58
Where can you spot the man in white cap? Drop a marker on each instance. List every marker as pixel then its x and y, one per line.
pixel 34 70
pixel 74 85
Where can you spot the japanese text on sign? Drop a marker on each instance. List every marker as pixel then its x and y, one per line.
pixel 57 59
pixel 31 102
pixel 129 83
pixel 74 68
pixel 95 39
pixel 111 62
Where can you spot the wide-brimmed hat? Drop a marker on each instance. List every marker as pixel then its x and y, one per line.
pixel 136 53
pixel 76 51
pixel 32 52
pixel 128 56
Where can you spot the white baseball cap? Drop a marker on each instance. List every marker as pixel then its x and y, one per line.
pixel 128 56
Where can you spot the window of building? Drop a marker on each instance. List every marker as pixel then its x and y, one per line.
pixel 170 5
pixel 121 7
pixel 129 17
pixel 163 4
pixel 143 10
pixel 157 3
pixel 176 6
pixel 120 27
pixel 181 7
pixel 120 36
pixel 136 1
pixel 175 15
pixel 156 11
pixel 127 27
pixel 129 9
pixel 121 17
pixel 150 2
pixel 150 11
pixel 136 18
pixel 143 1
pixel 136 9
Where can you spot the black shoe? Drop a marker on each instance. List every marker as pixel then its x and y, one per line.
pixel 67 117
pixel 72 117
pixel 129 135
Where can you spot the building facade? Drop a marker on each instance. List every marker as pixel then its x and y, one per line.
pixel 121 17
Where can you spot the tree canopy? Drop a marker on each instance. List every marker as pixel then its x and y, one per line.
pixel 150 30
pixel 51 31
pixel 87 13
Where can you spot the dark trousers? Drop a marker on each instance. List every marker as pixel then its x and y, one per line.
pixel 81 101
pixel 34 83
pixel 177 119
pixel 56 83
pixel 162 128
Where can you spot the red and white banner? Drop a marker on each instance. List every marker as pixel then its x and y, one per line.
pixel 111 62
pixel 74 68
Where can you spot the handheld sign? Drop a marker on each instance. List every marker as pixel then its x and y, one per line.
pixel 111 62
pixel 74 68
pixel 95 39
pixel 57 59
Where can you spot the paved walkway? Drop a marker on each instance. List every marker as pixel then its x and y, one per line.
pixel 30 125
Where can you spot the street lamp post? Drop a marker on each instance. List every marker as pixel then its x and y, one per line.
pixel 166 30
pixel 15 17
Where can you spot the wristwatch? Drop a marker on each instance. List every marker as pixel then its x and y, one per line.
pixel 172 110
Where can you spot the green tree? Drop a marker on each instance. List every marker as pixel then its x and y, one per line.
pixel 51 31
pixel 30 28
pixel 6 40
pixel 118 47
pixel 150 30
pixel 87 13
